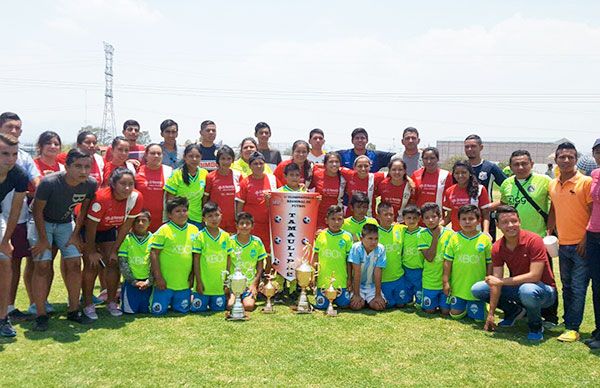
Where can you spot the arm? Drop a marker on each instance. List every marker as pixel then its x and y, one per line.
pixel 125 270
pixel 159 281
pixel 196 261
pixel 446 277
pixel 485 213
pixel 13 217
pixel 79 221
pixel 90 245
pixel 40 226
pixel 551 220
pixel 377 279
pixel 431 252
pixel 534 275
pixel 239 207
pixel 356 284
pixel 121 234
pixel 254 285
pixel 495 292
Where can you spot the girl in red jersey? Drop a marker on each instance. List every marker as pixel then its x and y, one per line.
pixel 150 181
pixel 300 150
pixel 88 144
pixel 397 188
pixel 360 180
pixel 108 221
pixel 329 182
pixel 430 180
pixel 48 145
pixel 221 187
pixel 120 151
pixel 466 191
pixel 252 197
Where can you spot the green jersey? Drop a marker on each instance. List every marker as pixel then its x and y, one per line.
pixel 411 257
pixel 193 192
pixel 287 189
pixel 537 188
pixel 135 252
pixel 213 260
pixel 355 227
pixel 333 249
pixel 249 254
pixel 469 257
pixel 391 239
pixel 176 245
pixel 433 270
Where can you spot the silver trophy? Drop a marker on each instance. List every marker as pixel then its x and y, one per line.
pixel 237 283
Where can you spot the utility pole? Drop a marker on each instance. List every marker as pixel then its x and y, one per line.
pixel 108 120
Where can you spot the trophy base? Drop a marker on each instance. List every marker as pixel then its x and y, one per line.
pixel 264 310
pixel 230 317
pixel 302 310
pixel 332 313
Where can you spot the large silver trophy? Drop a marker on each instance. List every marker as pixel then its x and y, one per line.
pixel 237 283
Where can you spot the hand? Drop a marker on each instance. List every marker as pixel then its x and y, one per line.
pixel 94 258
pixel 581 248
pixel 40 247
pixel 349 285
pixel 356 302
pixel 493 281
pixel 490 324
pixel 76 241
pixel 113 258
pixel 253 290
pixel 447 290
pixel 160 283
pixel 6 248
pixel 378 302
pixel 142 284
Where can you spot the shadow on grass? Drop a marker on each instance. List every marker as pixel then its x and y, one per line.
pixel 4 341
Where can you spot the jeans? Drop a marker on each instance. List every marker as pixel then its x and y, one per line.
pixel 575 277
pixel 593 256
pixel 532 296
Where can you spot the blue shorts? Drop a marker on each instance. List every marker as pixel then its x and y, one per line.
pixel 321 303
pixel 395 293
pixel 474 309
pixel 134 300
pixel 414 284
pixel 57 235
pixel 433 299
pixel 246 294
pixel 161 300
pixel 201 303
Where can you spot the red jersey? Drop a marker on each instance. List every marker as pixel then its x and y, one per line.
pixel 46 169
pixel 397 196
pixel 428 187
pixel 366 185
pixel 150 183
pixel 280 175
pixel 110 167
pixel 221 189
pixel 135 152
pixel 456 196
pixel 331 189
pixel 110 213
pixel 97 166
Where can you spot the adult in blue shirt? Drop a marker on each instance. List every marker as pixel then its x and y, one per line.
pixel 360 138
pixel 208 147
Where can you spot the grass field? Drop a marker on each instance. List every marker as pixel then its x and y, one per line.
pixel 353 349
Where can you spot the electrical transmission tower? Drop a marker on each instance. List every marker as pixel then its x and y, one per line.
pixel 108 120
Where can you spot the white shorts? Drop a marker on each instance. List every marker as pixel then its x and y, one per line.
pixel 368 293
pixel 2 233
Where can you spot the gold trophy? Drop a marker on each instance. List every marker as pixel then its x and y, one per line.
pixel 237 283
pixel 331 293
pixel 269 290
pixel 304 275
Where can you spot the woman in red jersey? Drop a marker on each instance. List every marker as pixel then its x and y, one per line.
pixel 150 181
pixel 361 180
pixel 88 144
pixel 300 150
pixel 221 186
pixel 120 151
pixel 48 145
pixel 329 182
pixel 396 188
pixel 430 180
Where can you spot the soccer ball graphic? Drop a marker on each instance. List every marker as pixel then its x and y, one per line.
pixel 277 240
pixel 277 219
pixel 306 220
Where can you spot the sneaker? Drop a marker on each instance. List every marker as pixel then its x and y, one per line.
pixel 41 323
pixel 49 308
pixel 32 309
pixel 6 329
pixel 510 321
pixel 78 317
pixel 103 295
pixel 594 345
pixel 90 312
pixel 114 309
pixel 17 315
pixel 569 336
pixel 536 335
pixel 95 300
pixel 550 325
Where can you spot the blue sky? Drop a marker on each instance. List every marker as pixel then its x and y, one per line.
pixel 503 69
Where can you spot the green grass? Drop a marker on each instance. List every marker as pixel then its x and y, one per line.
pixel 353 349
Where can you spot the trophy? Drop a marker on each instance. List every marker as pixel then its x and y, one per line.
pixel 331 293
pixel 304 274
pixel 268 290
pixel 237 284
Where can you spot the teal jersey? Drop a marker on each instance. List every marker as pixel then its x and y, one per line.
pixel 433 270
pixel 355 227
pixel 246 256
pixel 411 257
pixel 194 192
pixel 135 252
pixel 470 257
pixel 333 249
pixel 213 260
pixel 392 239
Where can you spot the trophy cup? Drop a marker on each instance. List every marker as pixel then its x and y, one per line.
pixel 268 290
pixel 237 284
pixel 304 275
pixel 331 293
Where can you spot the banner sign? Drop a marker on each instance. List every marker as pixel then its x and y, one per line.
pixel 293 226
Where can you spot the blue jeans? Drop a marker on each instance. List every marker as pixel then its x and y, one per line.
pixel 532 296
pixel 593 256
pixel 575 277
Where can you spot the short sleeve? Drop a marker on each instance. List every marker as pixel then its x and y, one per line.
pixel 172 184
pixel 354 256
pixel 497 260
pixel 449 181
pixel 209 185
pixel 449 251
pixel 317 245
pixel 488 252
pixel 43 191
pixel 484 199
pixel 279 173
pixel 137 207
pixel 381 261
pixel 96 210
pixel 243 191
pixel 260 247
pixel 28 165
pixel 504 191
pixel 446 203
pixel 196 244
pixel 537 249
pixel 92 187
pixel 124 248
pixel 424 240
pixel 158 239
pixel 499 176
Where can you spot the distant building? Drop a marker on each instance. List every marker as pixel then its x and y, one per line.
pixel 499 151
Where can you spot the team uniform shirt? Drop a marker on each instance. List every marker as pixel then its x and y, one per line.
pixel 397 196
pixel 17 180
pixel 221 189
pixel 571 200
pixel 487 174
pixel 379 159
pixel 470 257
pixel 411 257
pixel 331 189
pixel 46 169
pixel 316 159
pixel 368 262
pixel 150 183
pixel 135 251
pixel 431 187
pixel 110 213
pixel 194 192
pixel 288 189
pixel 281 176
pixel 109 167
pixel 244 168
pixel 366 185
pixel 213 260
pixel 135 152
pixel 456 197
pixel 536 186
pixel 209 157
pixel 354 227
pixel 333 250
pixel 176 245
pixel 433 270
pixel 391 239
pixel 62 198
pixel 250 254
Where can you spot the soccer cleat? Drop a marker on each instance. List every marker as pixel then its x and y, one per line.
pixel 78 317
pixel 536 335
pixel 6 329
pixel 569 336
pixel 17 315
pixel 114 310
pixel 594 345
pixel 90 312
pixel 41 323
pixel 510 321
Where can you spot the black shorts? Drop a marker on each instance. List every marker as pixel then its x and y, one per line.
pixel 102 236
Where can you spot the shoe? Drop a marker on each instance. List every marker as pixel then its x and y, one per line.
pixel 32 309
pixel 569 336
pixel 536 335
pixel 114 309
pixel 103 295
pixel 95 300
pixel 6 329
pixel 90 312
pixel 41 323
pixel 594 345
pixel 49 308
pixel 510 321
pixel 17 315
pixel 550 325
pixel 78 317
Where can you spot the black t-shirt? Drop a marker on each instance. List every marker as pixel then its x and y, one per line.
pixel 209 157
pixel 15 179
pixel 61 198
